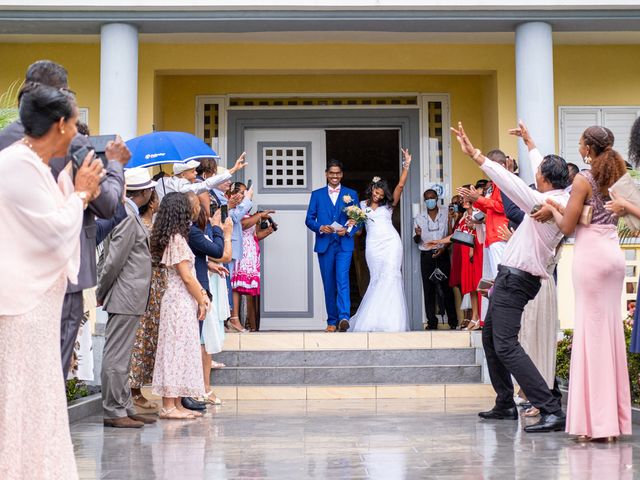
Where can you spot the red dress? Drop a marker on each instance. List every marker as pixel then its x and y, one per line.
pixel 471 268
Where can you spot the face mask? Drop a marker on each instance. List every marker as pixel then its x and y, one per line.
pixel 431 203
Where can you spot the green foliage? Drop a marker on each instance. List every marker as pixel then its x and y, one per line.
pixel 76 389
pixel 563 355
pixel 8 104
pixel 563 360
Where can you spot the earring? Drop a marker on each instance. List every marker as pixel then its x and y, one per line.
pixel 62 131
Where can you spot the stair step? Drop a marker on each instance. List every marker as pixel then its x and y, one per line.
pixel 356 358
pixel 347 375
pixel 343 392
pixel 346 341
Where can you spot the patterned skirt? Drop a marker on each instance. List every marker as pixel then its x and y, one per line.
pixel 143 354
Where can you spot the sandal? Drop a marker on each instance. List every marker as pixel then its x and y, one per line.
pixel 213 401
pixel 141 401
pixel 233 327
pixel 532 412
pixel 216 365
pixel 473 325
pixel 175 414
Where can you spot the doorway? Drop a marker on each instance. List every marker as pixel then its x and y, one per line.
pixel 365 153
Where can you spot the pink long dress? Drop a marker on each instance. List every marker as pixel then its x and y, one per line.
pixel 599 394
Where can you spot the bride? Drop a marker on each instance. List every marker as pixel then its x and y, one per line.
pixel 383 307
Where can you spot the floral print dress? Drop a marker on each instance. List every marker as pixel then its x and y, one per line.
pixel 246 277
pixel 178 367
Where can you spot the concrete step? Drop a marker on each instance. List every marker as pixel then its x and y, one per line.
pixel 354 358
pixel 287 341
pixel 347 375
pixel 428 392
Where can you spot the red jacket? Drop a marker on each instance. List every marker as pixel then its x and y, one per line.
pixel 494 210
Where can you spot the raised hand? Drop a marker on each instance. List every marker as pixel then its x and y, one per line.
pixel 240 163
pixel 118 150
pixel 469 194
pixel 463 140
pixel 406 158
pixel 87 178
pixel 523 132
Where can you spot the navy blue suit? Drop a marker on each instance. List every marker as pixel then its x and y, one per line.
pixel 334 252
pixel 203 247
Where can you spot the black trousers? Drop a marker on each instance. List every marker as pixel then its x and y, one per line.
pixel 440 291
pixel 72 315
pixel 505 356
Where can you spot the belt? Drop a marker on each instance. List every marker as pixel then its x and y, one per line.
pixel 517 271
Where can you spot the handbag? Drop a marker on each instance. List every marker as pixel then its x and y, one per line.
pixel 463 238
pixel 586 215
pixel 626 188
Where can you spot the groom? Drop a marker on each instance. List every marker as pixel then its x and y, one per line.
pixel 334 244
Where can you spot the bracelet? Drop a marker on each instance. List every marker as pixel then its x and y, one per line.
pixel 476 154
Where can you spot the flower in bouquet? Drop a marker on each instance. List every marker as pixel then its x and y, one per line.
pixel 356 214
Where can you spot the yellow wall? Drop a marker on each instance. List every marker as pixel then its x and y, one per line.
pixel 479 78
pixel 179 91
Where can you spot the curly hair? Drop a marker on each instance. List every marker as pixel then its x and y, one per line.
pixel 173 217
pixel 382 184
pixel 634 144
pixel 607 165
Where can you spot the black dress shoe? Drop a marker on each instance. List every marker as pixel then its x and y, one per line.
pixel 191 404
pixel 549 422
pixel 500 414
pixel 343 326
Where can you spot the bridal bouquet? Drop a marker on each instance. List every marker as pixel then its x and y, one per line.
pixel 356 214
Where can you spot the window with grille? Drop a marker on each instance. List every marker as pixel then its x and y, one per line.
pixel 285 166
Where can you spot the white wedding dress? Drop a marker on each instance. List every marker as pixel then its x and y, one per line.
pixel 383 307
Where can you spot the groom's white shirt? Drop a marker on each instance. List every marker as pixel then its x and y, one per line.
pixel 334 195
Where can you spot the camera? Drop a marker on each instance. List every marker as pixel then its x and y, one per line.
pixel 268 222
pixel 479 217
pixel 98 145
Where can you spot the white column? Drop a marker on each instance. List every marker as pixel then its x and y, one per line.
pixel 119 80
pixel 534 89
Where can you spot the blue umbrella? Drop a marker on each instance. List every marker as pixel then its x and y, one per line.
pixel 166 147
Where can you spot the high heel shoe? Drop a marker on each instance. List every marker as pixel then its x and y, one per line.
pixel 473 325
pixel 233 327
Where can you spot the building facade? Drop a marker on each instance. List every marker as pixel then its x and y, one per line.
pixel 294 83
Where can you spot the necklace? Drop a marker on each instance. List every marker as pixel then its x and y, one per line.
pixel 30 145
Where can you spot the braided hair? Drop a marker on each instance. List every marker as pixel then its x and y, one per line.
pixel 607 165
pixel 634 144
pixel 173 217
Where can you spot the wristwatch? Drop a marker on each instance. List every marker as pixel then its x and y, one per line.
pixel 84 196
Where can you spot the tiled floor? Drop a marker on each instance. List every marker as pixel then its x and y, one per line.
pixel 385 439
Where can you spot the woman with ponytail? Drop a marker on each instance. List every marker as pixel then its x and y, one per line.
pixel 599 403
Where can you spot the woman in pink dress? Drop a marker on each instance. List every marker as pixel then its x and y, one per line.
pixel 246 277
pixel 178 370
pixel 39 253
pixel 599 395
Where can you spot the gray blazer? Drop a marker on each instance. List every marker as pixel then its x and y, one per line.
pixel 125 272
pixel 104 206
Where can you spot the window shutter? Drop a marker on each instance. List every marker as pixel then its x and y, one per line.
pixel 619 121
pixel 573 121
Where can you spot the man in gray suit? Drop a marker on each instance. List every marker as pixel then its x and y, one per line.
pixel 103 206
pixel 123 290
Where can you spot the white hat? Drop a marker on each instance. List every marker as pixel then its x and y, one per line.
pixel 138 178
pixel 183 167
